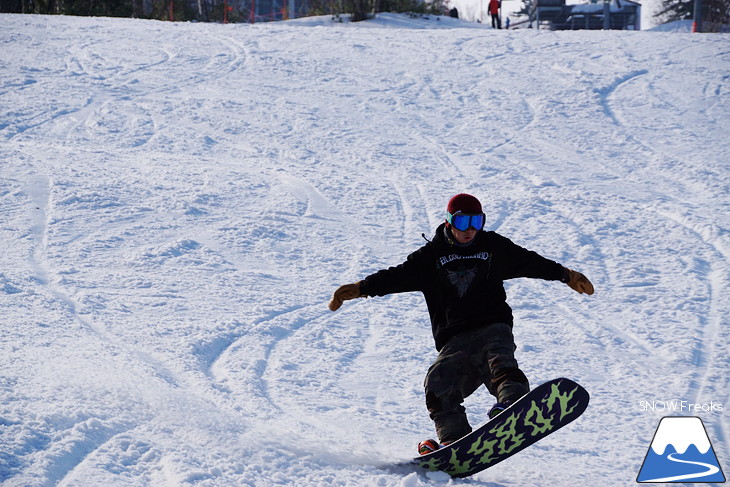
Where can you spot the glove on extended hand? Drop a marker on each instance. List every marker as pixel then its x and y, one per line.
pixel 577 281
pixel 343 293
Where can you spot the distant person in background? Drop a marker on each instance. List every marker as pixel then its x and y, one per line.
pixel 494 12
pixel 461 273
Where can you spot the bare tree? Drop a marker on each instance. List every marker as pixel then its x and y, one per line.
pixel 716 16
pixel 715 13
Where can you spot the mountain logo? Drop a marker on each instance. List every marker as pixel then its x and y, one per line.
pixel 681 452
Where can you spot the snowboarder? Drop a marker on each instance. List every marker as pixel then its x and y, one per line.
pixel 461 273
pixel 494 6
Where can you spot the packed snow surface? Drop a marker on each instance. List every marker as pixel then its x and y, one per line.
pixel 178 202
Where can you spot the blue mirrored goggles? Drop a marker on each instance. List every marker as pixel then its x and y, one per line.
pixel 462 221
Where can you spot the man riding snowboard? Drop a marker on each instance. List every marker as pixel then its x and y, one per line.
pixel 460 273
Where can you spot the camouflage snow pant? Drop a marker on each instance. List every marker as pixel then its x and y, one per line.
pixel 483 356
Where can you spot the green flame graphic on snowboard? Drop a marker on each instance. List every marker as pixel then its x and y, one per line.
pixel 540 412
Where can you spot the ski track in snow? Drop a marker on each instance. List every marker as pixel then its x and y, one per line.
pixel 180 200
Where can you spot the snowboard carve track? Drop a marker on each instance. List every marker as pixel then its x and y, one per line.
pixel 709 356
pixel 41 192
pixel 79 450
pixel 126 105
pixel 239 364
pixel 605 93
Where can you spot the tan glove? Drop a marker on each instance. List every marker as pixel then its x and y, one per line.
pixel 577 281
pixel 343 293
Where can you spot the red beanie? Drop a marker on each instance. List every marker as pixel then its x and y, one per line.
pixel 465 203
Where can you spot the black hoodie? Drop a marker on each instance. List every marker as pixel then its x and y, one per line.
pixel 463 285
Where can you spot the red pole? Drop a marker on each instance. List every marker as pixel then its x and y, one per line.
pixel 172 15
pixel 225 11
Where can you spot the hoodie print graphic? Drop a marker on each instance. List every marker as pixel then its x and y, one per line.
pixel 461 279
pixel 463 270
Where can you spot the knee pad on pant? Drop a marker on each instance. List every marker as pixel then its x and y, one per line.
pixel 448 381
pixel 443 404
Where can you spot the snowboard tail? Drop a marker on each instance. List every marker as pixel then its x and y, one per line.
pixel 540 412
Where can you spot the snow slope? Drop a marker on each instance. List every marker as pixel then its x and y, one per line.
pixel 178 202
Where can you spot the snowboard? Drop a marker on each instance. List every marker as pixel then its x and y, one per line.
pixel 540 412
